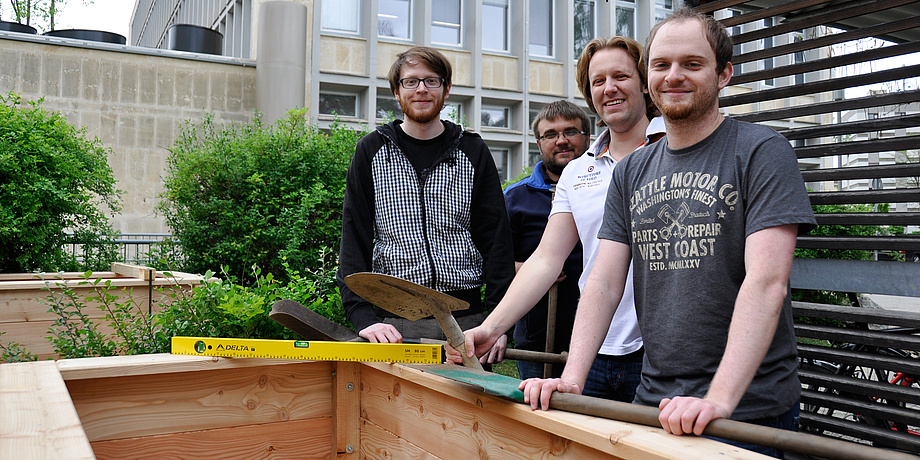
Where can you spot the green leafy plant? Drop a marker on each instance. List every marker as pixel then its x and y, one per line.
pixel 74 334
pixel 13 352
pixel 251 195
pixel 52 179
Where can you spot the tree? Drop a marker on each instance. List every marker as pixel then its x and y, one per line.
pixel 255 195
pixel 52 181
pixel 25 11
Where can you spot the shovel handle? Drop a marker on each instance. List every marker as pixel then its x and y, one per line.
pixel 455 337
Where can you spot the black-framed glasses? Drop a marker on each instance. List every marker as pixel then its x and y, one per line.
pixel 430 82
pixel 569 134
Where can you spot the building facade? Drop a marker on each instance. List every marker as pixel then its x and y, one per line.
pixel 510 57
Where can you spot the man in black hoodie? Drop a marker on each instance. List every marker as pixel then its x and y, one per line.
pixel 423 202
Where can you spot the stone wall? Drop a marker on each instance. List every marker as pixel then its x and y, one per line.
pixel 135 100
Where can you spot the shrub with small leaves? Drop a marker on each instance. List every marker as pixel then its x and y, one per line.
pixel 52 179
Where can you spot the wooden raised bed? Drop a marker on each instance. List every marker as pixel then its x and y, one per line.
pixel 25 319
pixel 170 406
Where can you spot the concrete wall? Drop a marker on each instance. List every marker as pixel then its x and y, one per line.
pixel 134 100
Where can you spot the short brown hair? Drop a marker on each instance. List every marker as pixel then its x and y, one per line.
pixel 431 57
pixel 565 110
pixel 718 37
pixel 633 49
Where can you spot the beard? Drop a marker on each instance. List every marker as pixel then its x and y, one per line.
pixel 422 116
pixel 700 102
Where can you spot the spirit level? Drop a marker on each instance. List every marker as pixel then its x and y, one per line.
pixel 308 350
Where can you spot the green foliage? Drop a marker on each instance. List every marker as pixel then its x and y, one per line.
pixel 73 333
pixel 525 173
pixel 52 179
pixel 249 196
pixel 216 308
pixel 832 297
pixel 12 352
pixel 40 14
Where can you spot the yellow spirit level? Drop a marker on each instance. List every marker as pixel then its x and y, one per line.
pixel 308 350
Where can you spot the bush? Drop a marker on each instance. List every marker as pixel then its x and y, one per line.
pixel 251 196
pixel 52 180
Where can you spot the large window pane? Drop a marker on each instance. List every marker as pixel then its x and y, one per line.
pixel 452 112
pixel 584 24
pixel 388 108
pixel 393 18
pixel 496 117
pixel 341 104
pixel 501 158
pixel 626 22
pixel 340 15
pixel 495 25
pixel 541 27
pixel 445 22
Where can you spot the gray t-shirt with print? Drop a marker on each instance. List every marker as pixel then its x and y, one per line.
pixel 686 214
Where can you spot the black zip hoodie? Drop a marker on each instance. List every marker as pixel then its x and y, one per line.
pixel 441 223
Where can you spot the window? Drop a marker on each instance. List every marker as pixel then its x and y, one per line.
pixel 532 115
pixel 496 117
pixel 452 112
pixel 533 157
pixel 393 18
pixel 767 44
pixel 663 9
pixel 584 24
pixel 541 27
pixel 799 57
pixel 388 108
pixel 495 25
pixel 446 16
pixel 341 104
pixel 500 156
pixel 341 16
pixel 626 20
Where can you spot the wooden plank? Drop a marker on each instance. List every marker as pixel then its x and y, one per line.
pixel 879 100
pixel 862 126
pixel 147 405
pixel 906 195
pixel 854 314
pixel 778 10
pixel 854 147
pixel 134 271
pixel 37 416
pixel 869 218
pixel 153 364
pixel 864 243
pixel 824 41
pixel 900 341
pixel 820 86
pixel 865 276
pixel 379 443
pixel 862 172
pixel 346 401
pixel 830 17
pixel 909 366
pixel 452 420
pixel 300 439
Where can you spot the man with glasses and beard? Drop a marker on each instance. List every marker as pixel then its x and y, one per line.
pixel 423 202
pixel 562 131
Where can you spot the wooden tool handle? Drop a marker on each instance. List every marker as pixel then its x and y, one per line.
pixel 455 337
pixel 723 428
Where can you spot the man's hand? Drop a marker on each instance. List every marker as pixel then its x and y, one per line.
pixel 685 415
pixel 478 342
pixel 538 391
pixel 381 333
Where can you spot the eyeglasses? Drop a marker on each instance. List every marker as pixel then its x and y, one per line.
pixel 569 133
pixel 430 82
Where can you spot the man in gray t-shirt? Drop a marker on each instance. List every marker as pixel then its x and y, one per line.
pixel 709 217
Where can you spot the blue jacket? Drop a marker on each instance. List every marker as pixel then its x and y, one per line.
pixel 529 202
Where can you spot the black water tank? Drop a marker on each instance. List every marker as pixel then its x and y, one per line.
pixel 89 35
pixel 17 27
pixel 197 39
